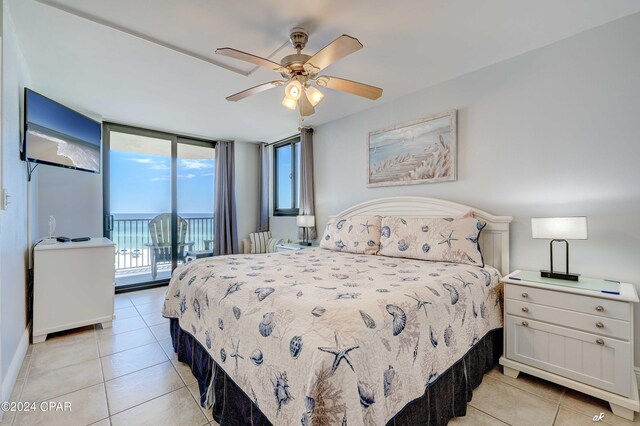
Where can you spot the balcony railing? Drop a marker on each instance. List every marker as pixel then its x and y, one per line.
pixel 131 235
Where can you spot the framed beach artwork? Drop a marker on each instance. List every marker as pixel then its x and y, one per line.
pixel 422 151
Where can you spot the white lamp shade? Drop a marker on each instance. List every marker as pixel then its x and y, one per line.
pixel 562 228
pixel 306 221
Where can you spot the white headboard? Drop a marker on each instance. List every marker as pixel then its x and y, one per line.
pixel 494 238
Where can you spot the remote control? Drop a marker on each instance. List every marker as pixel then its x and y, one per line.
pixel 63 239
pixel 80 239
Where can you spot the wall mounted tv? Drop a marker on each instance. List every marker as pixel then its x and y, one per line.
pixel 59 136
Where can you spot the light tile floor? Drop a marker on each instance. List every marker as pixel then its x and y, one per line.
pixel 129 375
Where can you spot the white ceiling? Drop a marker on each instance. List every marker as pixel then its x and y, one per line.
pixel 408 45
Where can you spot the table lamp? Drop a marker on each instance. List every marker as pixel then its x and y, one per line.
pixel 559 229
pixel 305 222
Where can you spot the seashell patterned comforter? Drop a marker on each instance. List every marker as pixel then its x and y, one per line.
pixel 318 337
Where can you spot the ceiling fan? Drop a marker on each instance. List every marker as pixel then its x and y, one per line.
pixel 300 70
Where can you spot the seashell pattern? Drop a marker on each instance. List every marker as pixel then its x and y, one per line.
pixel 399 318
pixel 223 355
pixel 366 394
pixel 389 375
pixel 237 312
pixel 433 337
pixel 264 292
pixel 386 231
pixel 368 321
pixel 448 335
pixel 487 277
pixel 256 357
pixel 267 324
pixel 318 311
pixel 295 346
pixel 281 390
pixel 452 292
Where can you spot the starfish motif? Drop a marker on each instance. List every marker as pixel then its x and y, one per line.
pixel 447 240
pixel 232 289
pixel 208 277
pixel 235 353
pixel 366 226
pixel 421 303
pixel 341 352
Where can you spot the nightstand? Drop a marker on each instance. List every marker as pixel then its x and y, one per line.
pixel 576 334
pixel 294 246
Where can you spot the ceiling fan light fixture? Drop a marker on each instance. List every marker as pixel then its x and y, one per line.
pixel 314 95
pixel 293 90
pixel 289 102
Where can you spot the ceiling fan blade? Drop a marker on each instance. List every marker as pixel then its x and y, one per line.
pixel 353 87
pixel 248 57
pixel 306 108
pixel 334 51
pixel 255 89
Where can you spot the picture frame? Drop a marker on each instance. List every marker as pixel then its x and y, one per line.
pixel 420 151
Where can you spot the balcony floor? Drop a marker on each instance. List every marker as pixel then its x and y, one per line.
pixel 141 275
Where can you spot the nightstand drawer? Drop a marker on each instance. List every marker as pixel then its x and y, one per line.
pixel 558 299
pixel 565 318
pixel 595 360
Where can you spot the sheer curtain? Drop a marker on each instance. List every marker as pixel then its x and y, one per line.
pixel 263 197
pixel 307 205
pixel 226 225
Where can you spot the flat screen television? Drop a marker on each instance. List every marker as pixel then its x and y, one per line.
pixel 59 136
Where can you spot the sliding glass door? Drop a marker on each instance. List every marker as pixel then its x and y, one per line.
pixel 158 202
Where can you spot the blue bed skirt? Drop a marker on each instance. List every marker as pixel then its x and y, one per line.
pixel 444 399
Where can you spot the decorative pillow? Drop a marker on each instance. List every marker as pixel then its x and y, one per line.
pixel 273 242
pixel 443 239
pixel 359 235
pixel 259 241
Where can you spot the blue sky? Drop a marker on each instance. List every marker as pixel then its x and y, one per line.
pixel 51 115
pixel 140 183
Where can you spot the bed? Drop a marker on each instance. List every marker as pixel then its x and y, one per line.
pixel 319 337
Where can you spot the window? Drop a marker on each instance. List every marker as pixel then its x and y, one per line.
pixel 286 182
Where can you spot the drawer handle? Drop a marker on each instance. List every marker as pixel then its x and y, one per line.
pixel 600 342
pixel 525 309
pixel 599 308
pixel 599 324
pixel 526 324
pixel 525 295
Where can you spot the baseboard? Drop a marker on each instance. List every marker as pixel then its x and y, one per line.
pixel 637 371
pixel 9 380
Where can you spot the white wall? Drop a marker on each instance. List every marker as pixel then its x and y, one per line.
pixel 13 221
pixel 247 159
pixel 73 197
pixel 552 132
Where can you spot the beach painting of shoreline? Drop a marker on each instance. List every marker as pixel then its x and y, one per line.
pixel 422 151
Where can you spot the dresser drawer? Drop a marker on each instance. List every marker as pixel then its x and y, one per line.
pixel 558 299
pixel 565 318
pixel 599 361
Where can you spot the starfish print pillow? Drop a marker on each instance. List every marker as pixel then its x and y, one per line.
pixel 360 235
pixel 442 239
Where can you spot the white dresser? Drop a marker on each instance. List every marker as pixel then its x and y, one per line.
pixel 73 285
pixel 577 337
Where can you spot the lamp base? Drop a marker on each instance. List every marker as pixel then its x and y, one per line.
pixel 559 275
pixel 304 243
